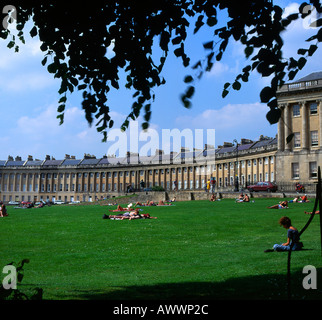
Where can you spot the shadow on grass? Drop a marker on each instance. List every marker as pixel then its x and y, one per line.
pixel 261 287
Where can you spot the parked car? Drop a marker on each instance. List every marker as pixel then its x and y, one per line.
pixel 59 202
pixel 263 186
pixel 13 202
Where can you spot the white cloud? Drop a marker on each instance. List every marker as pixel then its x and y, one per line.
pixel 232 121
pixel 29 81
pixel 218 69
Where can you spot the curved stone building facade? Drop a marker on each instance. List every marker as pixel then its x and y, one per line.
pixel 231 165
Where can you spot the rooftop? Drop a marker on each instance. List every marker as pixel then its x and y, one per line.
pixel 177 157
pixel 311 81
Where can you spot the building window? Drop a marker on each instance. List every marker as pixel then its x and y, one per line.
pixel 297 140
pixel 313 108
pixel 314 138
pixel 295 170
pixel 313 170
pixel 296 110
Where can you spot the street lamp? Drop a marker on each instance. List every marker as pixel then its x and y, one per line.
pixel 236 173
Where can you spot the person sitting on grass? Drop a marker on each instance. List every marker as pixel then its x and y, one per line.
pixel 213 197
pixel 244 199
pixel 281 205
pixel 304 199
pixel 240 198
pixel 3 211
pixel 293 238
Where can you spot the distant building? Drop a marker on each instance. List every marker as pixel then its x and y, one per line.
pixel 268 159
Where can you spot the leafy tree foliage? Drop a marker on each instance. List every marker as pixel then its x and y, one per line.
pixel 75 38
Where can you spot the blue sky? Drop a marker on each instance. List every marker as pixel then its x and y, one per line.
pixel 28 99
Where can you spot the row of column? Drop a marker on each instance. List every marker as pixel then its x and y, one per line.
pixel 285 125
pixel 239 171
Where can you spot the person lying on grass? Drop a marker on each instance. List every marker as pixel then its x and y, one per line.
pixel 281 205
pixel 119 208
pixel 293 238
pixel 129 215
pixel 316 212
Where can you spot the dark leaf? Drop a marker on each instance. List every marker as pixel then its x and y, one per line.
pixel 33 31
pixel 190 92
pixel 266 94
pixel 301 62
pixel 273 115
pixel 211 21
pixel 236 85
pixel 312 49
pixel 188 79
pixel 289 138
pixel 43 62
pixel 61 108
pixel 301 51
pixel 224 93
pixel 208 45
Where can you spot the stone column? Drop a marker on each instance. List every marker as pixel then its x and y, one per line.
pixel 319 102
pixel 287 127
pixel 280 131
pixel 305 127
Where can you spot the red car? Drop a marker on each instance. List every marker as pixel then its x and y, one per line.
pixel 263 186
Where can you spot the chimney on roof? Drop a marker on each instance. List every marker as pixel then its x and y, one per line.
pixel 227 144
pixel 30 158
pixel 10 158
pixel 47 157
pixel 88 156
pixel 209 146
pixel 245 141
pixel 67 156
pixel 18 158
pixel 73 157
pixel 159 152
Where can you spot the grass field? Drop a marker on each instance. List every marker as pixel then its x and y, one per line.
pixel 193 250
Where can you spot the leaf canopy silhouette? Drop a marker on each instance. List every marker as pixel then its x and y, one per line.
pixel 75 38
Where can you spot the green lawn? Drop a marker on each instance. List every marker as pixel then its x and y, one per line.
pixel 194 250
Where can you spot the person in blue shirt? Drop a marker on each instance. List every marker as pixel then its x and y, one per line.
pixel 293 238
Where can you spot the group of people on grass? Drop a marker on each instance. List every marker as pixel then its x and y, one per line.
pixel 243 198
pixel 293 239
pixel 132 212
pixel 130 215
